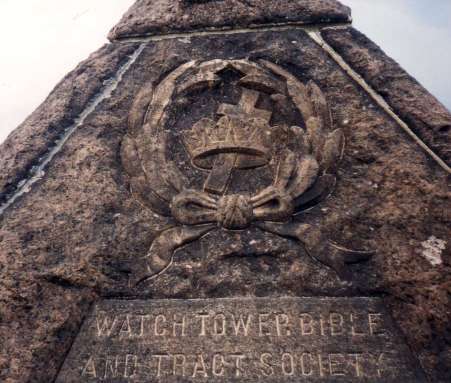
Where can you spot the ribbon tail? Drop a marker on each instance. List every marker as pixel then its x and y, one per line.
pixel 353 256
pixel 160 255
pixel 317 247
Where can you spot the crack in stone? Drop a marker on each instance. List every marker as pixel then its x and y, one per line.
pixel 38 170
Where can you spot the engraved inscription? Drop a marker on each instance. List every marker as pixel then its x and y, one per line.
pixel 242 340
pixel 267 323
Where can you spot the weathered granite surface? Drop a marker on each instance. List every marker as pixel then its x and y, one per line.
pixel 38 133
pixel 150 17
pixel 81 233
pixel 424 114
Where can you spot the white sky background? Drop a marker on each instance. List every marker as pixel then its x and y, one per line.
pixel 42 40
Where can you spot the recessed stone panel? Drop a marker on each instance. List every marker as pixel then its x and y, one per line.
pixel 239 340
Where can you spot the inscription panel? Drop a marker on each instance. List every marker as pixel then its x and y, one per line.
pixel 240 340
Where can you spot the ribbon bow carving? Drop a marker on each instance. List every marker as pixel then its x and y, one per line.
pixel 233 212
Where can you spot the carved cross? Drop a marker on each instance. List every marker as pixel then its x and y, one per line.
pixel 246 107
pixel 224 163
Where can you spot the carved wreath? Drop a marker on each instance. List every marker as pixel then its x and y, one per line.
pixel 301 179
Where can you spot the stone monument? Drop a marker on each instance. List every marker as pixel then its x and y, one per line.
pixel 229 191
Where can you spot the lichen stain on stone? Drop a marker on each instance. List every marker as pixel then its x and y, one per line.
pixel 432 250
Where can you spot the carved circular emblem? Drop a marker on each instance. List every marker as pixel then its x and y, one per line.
pixel 235 137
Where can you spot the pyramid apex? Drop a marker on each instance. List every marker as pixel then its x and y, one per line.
pixel 155 17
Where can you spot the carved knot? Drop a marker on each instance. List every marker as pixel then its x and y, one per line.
pixel 234 212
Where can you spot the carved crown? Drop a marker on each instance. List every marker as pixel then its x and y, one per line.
pixel 231 134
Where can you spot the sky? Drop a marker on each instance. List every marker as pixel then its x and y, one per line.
pixel 416 33
pixel 42 40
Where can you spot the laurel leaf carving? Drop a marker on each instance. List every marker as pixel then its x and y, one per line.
pixel 141 188
pixel 323 144
pixel 163 96
pixel 130 157
pixel 319 104
pixel 139 109
pixel 305 175
pixel 333 150
pixel 285 169
pixel 320 190
pixel 315 132
pixel 152 178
